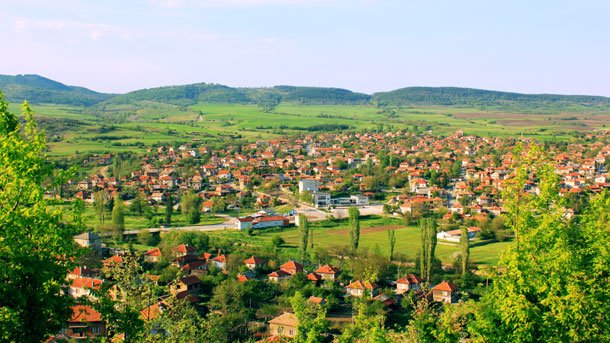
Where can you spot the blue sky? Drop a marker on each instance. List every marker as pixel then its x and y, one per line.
pixel 534 46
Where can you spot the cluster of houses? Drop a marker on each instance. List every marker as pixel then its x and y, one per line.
pixel 332 162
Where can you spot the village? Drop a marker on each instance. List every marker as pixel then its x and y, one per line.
pixel 275 184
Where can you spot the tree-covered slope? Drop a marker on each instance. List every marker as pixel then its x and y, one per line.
pixel 214 93
pixel 38 90
pixel 453 96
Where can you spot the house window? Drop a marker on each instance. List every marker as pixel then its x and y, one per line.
pixel 280 329
pixel 95 329
pixel 291 332
pixel 444 293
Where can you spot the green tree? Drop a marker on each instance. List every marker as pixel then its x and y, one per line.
pixel 36 250
pixel 553 285
pixel 190 204
pixel 304 235
pixel 367 326
pixel 392 241
pixel 465 245
pixel 169 209
pixel 100 204
pixel 138 205
pixel 354 226
pixel 78 208
pixel 428 247
pixel 118 218
pixel 311 318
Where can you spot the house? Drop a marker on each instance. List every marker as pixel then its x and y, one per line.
pixel 408 283
pixel 81 272
pixel 315 278
pixel 309 185
pixel 269 221
pixel 153 255
pixel 454 235
pixel 254 262
pixel 89 240
pixel 186 285
pixel 284 325
pixel 82 286
pixel 317 300
pixel 444 292
pixel 153 311
pixel 112 260
pixel 291 267
pixel 278 276
pixel 321 199
pixel 244 223
pixel 357 288
pixel 220 261
pixel 328 272
pixel 85 323
pixel 183 249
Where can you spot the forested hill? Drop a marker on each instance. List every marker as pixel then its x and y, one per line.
pixel 215 93
pixel 469 97
pixel 38 90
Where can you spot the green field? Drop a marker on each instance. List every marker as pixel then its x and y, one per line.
pixel 408 240
pixel 135 127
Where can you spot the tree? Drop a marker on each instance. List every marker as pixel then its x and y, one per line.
pixel 138 205
pixel 553 285
pixel 100 202
pixel 465 245
pixel 392 239
pixel 169 209
pixel 190 204
pixel 304 235
pixel 36 249
pixel 367 326
pixel 78 208
pixel 354 225
pixel 118 218
pixel 428 247
pixel 311 318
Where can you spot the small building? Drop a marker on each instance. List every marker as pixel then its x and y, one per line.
pixel 328 272
pixel 408 283
pixel 292 267
pixel 188 284
pixel 309 185
pixel 455 235
pixel 321 199
pixel 83 286
pixel 444 292
pixel 85 323
pixel 317 300
pixel 244 223
pixel 183 249
pixel 357 288
pixel 220 261
pixel 254 262
pixel 284 325
pixel 278 276
pixel 153 255
pixel 89 240
pixel 270 221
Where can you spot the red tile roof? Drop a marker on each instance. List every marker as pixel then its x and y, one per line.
pixel 84 313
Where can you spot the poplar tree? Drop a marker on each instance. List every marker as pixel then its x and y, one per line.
pixel 465 245
pixel 354 225
pixel 118 218
pixel 392 239
pixel 428 247
pixel 169 209
pixel 304 233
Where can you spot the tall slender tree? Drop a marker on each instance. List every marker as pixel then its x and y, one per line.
pixel 169 209
pixel 392 239
pixel 118 218
pixel 465 245
pixel 428 247
pixel 354 225
pixel 304 235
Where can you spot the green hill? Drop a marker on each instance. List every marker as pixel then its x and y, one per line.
pixel 468 97
pixel 40 90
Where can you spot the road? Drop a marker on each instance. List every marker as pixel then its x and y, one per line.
pixel 230 223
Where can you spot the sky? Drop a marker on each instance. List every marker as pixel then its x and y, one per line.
pixel 541 46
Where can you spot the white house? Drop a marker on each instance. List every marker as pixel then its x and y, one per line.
pixel 310 185
pixel 454 235
pixel 244 223
pixel 321 199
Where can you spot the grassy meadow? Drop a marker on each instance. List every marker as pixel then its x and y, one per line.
pixel 135 127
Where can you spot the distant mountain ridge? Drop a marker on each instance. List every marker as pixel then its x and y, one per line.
pixel 38 89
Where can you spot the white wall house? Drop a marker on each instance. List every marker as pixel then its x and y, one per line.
pixel 310 185
pixel 454 235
